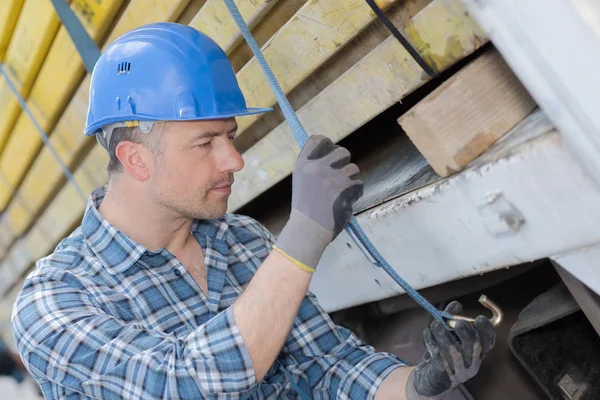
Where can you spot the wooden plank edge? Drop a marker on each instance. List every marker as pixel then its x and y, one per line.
pixel 467 113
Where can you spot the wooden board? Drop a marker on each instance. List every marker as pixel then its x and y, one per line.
pixel 9 15
pixel 379 80
pixel 315 33
pixel 372 36
pixel 278 15
pixel 35 30
pixel 58 78
pixel 67 208
pixel 465 115
pixel 214 20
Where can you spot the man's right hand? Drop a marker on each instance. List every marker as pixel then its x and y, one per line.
pixel 325 186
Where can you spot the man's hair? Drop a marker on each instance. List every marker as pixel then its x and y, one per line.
pixel 152 141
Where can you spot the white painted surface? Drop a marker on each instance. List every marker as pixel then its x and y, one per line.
pixel 449 230
pixel 553 47
pixel 584 264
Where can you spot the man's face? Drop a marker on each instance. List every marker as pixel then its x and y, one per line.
pixel 194 172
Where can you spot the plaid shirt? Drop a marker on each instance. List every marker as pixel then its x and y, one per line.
pixel 103 317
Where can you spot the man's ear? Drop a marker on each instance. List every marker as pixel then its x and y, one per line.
pixel 135 159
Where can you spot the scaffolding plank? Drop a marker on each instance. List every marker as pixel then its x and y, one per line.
pixel 58 78
pixel 317 32
pixel 9 15
pixel 34 33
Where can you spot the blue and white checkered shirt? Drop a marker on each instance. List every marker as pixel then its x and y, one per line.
pixel 103 317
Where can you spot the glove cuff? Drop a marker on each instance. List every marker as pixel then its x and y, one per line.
pixel 411 391
pixel 303 239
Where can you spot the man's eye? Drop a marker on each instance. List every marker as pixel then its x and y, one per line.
pixel 204 144
pixel 232 137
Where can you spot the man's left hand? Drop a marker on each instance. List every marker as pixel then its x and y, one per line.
pixel 452 357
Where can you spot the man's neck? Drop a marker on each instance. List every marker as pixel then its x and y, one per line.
pixel 141 220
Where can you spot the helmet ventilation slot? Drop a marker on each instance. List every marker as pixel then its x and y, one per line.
pixel 123 68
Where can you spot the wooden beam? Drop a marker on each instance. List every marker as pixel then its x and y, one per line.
pixel 214 20
pixel 9 15
pixel 278 15
pixel 30 42
pixel 317 31
pixel 465 115
pixel 379 80
pixel 58 78
pixel 399 14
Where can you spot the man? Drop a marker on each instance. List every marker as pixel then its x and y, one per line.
pixel 161 294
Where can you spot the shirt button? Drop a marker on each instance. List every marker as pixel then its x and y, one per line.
pixel 177 272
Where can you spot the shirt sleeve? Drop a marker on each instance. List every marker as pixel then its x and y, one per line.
pixel 67 342
pixel 330 359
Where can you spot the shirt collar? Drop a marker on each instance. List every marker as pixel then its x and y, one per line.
pixel 116 250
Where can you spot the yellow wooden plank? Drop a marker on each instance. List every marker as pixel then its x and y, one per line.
pixel 31 40
pixel 66 208
pixel 9 14
pixel 278 15
pixel 16 212
pixel 214 20
pixel 58 78
pixel 141 12
pixel 317 31
pixel 379 80
pixel 35 235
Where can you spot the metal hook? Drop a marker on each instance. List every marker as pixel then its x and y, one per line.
pixel 497 314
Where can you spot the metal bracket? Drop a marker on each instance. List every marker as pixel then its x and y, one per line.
pixel 500 216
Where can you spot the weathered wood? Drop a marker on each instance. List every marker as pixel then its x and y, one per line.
pixel 465 115
pixel 66 208
pixel 317 31
pixel 58 78
pixel 35 30
pixel 190 11
pixel 378 81
pixel 9 15
pixel 214 20
pixel 277 17
pixel 372 36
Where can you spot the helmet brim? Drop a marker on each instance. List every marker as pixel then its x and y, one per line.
pixel 96 127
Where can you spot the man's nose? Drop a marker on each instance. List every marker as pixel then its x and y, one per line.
pixel 232 159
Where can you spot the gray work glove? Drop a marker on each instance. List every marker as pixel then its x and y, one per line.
pixel 325 185
pixel 452 357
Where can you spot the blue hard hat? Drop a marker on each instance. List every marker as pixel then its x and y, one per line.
pixel 163 72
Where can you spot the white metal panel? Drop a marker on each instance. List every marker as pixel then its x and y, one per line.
pixel 553 47
pixel 524 200
pixel 584 264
